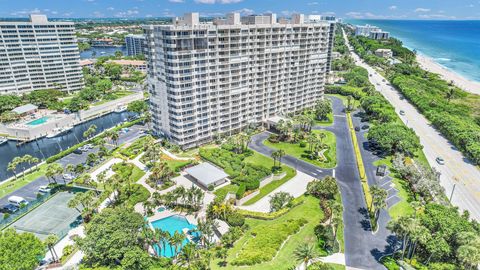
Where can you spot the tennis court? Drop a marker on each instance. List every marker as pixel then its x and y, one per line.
pixel 52 217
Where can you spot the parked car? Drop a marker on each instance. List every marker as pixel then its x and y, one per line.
pixel 440 160
pixel 68 176
pixel 402 112
pixel 9 208
pixel 365 127
pixel 17 200
pixel 381 170
pixel 357 128
pixel 383 80
pixel 88 146
pixel 77 151
pixel 44 189
pixel 83 148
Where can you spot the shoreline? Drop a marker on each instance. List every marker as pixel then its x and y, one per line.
pixel 461 82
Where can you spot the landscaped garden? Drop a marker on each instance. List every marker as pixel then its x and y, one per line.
pixel 318 148
pixel 271 240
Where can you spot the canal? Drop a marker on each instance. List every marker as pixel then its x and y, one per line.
pixel 46 147
pixel 95 52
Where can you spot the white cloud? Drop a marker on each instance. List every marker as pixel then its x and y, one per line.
pixel 312 3
pixel 437 16
pixel 328 13
pixel 54 12
pixel 127 13
pixel 471 6
pixel 245 11
pixel 110 8
pixel 25 12
pixel 176 1
pixel 369 15
pixel 422 10
pixel 149 16
pixel 355 15
pixel 90 0
pixel 392 7
pixel 217 1
pixel 68 14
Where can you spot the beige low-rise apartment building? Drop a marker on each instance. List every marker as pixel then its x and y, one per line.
pixel 384 53
pixel 220 77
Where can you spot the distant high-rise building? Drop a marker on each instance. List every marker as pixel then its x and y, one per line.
pixel 217 78
pixel 379 34
pixel 38 54
pixel 364 30
pixel 135 44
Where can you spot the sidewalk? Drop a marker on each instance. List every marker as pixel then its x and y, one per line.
pixel 296 187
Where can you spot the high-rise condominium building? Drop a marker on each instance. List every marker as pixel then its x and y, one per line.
pixel 135 44
pixel 38 54
pixel 217 78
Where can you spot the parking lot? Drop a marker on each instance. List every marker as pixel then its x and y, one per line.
pixel 30 191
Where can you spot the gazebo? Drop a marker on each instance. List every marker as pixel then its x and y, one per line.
pixel 206 174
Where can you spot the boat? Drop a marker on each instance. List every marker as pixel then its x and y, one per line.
pixel 59 131
pixel 102 52
pixel 120 109
pixel 3 140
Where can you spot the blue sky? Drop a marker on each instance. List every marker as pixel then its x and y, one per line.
pixel 354 9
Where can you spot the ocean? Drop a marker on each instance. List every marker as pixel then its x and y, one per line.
pixel 453 44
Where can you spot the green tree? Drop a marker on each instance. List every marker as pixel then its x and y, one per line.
pixel 50 242
pixel 53 170
pixel 280 200
pixel 136 259
pixel 19 250
pixel 9 102
pixel 138 106
pixel 113 70
pixel 104 85
pixel 304 253
pixel 110 235
pixel 76 104
pixel 379 197
pixel 322 108
pixel 395 138
pixel 325 189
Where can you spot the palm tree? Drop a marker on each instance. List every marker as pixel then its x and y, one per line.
pixel 150 239
pixel 114 137
pixel 177 240
pixel 281 153
pixel 53 169
pixel 304 253
pixel 311 140
pixel 222 253
pixel 188 255
pixel 379 197
pixel 349 103
pixel 400 227
pixel 50 242
pixel 12 166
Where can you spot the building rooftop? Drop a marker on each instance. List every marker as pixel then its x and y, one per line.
pixel 129 62
pixel 25 108
pixel 206 173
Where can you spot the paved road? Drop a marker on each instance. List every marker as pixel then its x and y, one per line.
pixel 458 170
pixel 362 247
pixel 29 191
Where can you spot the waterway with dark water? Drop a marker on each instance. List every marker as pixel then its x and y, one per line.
pixel 44 148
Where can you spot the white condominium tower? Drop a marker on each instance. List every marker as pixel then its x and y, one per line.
pixel 217 78
pixel 135 44
pixel 38 54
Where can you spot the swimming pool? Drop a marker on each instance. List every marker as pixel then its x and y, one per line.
pixel 172 224
pixel 38 121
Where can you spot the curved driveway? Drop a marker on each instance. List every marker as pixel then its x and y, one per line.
pixel 362 247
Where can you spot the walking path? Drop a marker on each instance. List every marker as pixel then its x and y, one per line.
pixel 296 187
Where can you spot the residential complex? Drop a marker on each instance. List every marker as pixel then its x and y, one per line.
pixel 38 54
pixel 217 78
pixel 135 44
pixel 371 31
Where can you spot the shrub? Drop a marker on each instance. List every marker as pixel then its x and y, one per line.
pixel 240 191
pixel 303 144
pixel 390 263
pixel 273 138
pixel 235 219
pixel 211 187
pixel 67 251
pixel 442 266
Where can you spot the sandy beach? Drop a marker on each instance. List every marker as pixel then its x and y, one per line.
pixel 448 75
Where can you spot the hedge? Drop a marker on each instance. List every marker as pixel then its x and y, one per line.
pixel 92 140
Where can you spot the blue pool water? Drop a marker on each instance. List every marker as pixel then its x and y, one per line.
pixel 38 121
pixel 172 224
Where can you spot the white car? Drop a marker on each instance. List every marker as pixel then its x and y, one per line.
pixel 88 146
pixel 44 189
pixel 68 176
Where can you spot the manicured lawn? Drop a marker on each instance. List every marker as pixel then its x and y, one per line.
pixel 116 95
pixel 326 122
pixel 294 149
pixel 310 210
pixel 260 159
pixel 223 191
pixel 174 164
pixel 403 207
pixel 13 185
pixel 137 173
